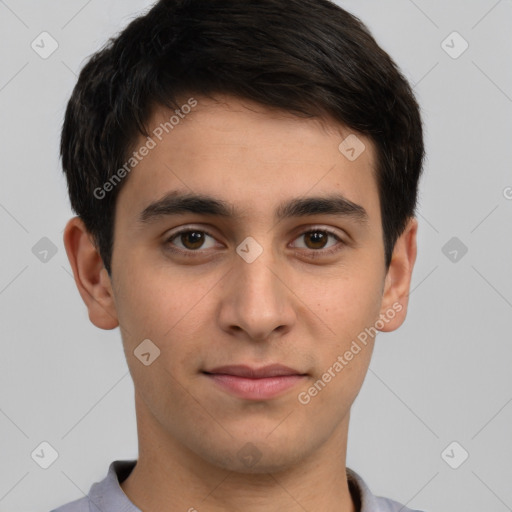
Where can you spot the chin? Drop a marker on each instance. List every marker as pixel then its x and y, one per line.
pixel 254 457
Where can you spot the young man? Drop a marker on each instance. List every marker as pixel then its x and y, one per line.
pixel 244 174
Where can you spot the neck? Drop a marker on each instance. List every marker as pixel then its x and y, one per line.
pixel 168 477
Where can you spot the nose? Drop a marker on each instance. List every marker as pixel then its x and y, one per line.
pixel 256 302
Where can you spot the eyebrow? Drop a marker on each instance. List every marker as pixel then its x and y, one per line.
pixel 178 203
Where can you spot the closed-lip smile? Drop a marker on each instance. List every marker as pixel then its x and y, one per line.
pixel 242 370
pixel 252 383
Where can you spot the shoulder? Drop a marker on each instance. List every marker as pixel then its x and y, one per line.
pixel 387 505
pixel 367 502
pixel 80 505
pixel 107 494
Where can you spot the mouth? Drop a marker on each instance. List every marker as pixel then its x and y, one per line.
pixel 255 383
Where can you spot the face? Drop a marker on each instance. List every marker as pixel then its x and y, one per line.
pixel 247 239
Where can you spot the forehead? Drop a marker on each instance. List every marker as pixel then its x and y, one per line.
pixel 248 155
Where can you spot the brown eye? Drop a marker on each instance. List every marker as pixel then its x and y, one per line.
pixel 191 240
pixel 316 239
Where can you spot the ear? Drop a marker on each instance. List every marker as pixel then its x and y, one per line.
pixel 397 283
pixel 91 277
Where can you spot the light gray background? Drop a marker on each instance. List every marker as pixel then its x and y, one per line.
pixel 444 376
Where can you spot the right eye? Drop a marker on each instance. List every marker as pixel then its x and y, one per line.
pixel 190 240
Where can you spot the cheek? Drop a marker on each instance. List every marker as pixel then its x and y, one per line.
pixel 152 300
pixel 156 308
pixel 168 308
pixel 349 303
pixel 350 307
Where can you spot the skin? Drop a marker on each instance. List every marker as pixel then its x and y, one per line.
pixel 214 308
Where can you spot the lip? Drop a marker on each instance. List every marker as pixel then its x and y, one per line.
pixel 255 383
pixel 242 370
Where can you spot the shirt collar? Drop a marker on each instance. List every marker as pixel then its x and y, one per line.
pixel 108 494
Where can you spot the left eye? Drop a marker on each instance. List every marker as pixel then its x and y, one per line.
pixel 317 239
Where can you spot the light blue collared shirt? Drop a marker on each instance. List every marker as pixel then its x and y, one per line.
pixel 108 496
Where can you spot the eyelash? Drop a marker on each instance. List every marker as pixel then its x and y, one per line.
pixel 314 253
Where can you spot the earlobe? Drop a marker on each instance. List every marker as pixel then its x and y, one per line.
pixel 395 297
pixel 91 277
